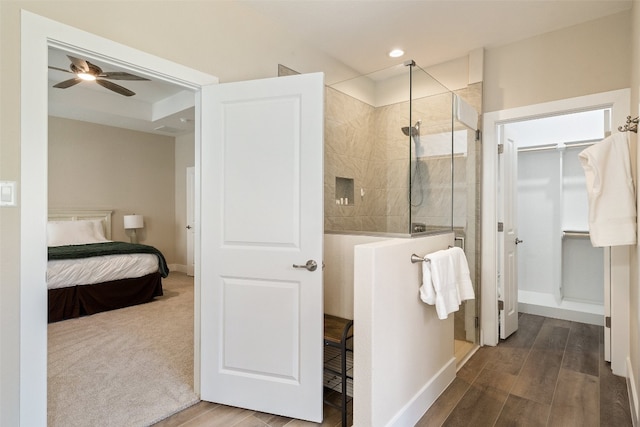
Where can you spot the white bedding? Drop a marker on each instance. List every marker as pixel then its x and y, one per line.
pixel 87 271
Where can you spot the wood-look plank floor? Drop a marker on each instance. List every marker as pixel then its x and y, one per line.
pixel 206 414
pixel 549 373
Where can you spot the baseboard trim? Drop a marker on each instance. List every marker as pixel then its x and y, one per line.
pixel 180 268
pixel 411 413
pixel 633 394
pixel 545 305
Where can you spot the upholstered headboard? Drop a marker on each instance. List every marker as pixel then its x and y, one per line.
pixel 76 215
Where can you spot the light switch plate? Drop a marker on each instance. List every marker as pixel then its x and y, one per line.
pixel 7 193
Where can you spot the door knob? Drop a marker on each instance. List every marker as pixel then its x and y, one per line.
pixel 518 241
pixel 311 265
pixel 188 227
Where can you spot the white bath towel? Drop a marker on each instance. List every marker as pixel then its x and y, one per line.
pixel 611 192
pixel 446 281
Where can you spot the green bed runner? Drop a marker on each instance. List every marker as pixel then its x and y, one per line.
pixel 106 248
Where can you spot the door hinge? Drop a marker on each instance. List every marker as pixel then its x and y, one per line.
pixel 607 321
pixel 500 305
pixel 500 226
pixel 477 322
pixel 478 135
pixel 500 148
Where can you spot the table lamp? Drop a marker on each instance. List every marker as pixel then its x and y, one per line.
pixel 133 222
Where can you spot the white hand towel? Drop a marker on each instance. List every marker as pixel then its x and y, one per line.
pixel 443 279
pixel 427 293
pixel 446 281
pixel 612 201
pixel 463 278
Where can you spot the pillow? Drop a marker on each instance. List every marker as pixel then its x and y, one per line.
pixel 60 233
pixel 98 230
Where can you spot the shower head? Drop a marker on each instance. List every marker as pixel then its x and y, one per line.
pixel 413 131
pixel 410 131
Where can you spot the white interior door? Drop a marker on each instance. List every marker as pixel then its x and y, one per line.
pixel 191 221
pixel 261 213
pixel 508 165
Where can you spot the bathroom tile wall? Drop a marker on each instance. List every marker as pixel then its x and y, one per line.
pixel 390 120
pixel 366 144
pixel 351 152
pixel 431 195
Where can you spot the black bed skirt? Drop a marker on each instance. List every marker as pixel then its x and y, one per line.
pixel 76 301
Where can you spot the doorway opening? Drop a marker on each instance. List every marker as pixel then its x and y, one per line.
pixel 38 34
pixel 97 140
pixel 559 273
pixel 618 102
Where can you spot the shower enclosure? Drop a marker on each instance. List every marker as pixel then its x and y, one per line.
pixel 401 159
pixel 378 175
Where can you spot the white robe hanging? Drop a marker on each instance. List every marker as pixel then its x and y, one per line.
pixel 611 192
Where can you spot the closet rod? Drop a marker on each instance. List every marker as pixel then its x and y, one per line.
pixel 574 233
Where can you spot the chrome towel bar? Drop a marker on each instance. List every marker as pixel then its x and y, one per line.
pixel 416 259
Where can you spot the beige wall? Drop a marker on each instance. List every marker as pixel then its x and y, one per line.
pixel 102 167
pixel 580 60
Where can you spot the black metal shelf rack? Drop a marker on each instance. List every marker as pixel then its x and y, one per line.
pixel 338 334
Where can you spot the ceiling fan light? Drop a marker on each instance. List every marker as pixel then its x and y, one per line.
pixel 86 76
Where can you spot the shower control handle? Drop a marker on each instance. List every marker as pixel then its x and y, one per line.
pixel 311 265
pixel 518 241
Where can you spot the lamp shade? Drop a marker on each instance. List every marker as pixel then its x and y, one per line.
pixel 133 221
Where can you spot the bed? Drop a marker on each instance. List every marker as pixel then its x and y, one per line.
pixel 88 273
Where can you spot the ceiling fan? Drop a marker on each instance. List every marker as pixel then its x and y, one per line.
pixel 86 71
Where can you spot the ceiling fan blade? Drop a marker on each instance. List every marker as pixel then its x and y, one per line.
pixel 80 64
pixel 68 83
pixel 114 87
pixel 121 75
pixel 60 69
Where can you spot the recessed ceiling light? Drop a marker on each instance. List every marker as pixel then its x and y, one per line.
pixel 396 53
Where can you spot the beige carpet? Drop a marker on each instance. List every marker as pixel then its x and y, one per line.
pixel 127 367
